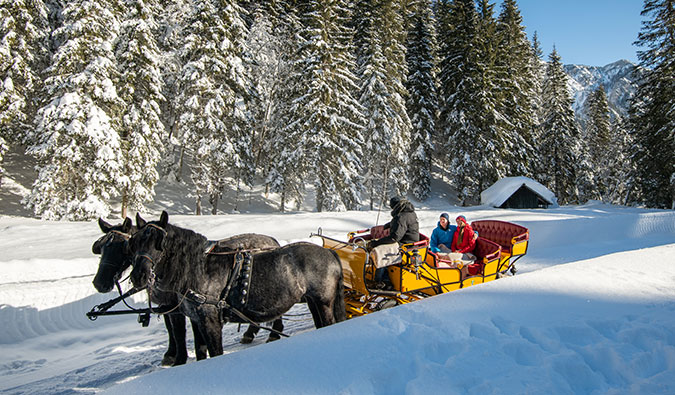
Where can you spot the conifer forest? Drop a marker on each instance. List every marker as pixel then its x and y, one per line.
pixel 359 99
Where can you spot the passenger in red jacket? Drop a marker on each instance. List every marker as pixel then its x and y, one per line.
pixel 463 241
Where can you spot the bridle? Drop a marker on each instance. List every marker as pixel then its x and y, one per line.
pixel 151 260
pixel 103 241
pixel 151 277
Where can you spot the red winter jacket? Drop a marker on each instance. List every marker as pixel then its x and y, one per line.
pixel 467 244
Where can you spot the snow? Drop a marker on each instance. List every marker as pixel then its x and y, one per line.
pixel 590 311
pixel 501 190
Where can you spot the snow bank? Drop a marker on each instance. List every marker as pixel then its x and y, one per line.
pixel 577 328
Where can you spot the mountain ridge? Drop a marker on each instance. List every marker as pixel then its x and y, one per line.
pixel 619 79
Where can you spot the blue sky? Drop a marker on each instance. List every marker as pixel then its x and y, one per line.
pixel 590 32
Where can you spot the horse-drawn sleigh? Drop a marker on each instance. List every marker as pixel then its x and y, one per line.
pixel 422 273
pixel 190 276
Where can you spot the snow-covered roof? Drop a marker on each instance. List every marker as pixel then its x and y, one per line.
pixel 501 190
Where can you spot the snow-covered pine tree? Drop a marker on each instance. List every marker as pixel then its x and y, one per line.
pixel 268 67
pixel 586 185
pixel 139 87
pixel 76 141
pixel 653 109
pixel 559 135
pixel 443 25
pixel 538 67
pixel 382 94
pixel 422 105
pixel 282 156
pixel 171 16
pixel 373 100
pixel 516 89
pixel 23 52
pixel 621 184
pixel 327 115
pixel 362 25
pixel 598 139
pixel 470 123
pixel 213 85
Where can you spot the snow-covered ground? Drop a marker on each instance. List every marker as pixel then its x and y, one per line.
pixel 592 310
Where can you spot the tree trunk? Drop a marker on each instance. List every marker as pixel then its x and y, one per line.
pixel 236 195
pixel 125 203
pixel 179 175
pixel 282 205
pixel 372 189
pixel 213 199
pixel 198 208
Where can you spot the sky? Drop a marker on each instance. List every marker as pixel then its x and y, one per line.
pixel 588 32
pixel 591 310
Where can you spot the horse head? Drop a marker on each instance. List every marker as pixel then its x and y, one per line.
pixel 147 246
pixel 114 251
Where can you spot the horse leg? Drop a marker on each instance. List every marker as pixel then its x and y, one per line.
pixel 178 326
pixel 322 312
pixel 277 325
pixel 200 343
pixel 212 328
pixel 316 316
pixel 250 333
pixel 170 354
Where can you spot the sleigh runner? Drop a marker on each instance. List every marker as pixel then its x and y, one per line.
pixel 422 273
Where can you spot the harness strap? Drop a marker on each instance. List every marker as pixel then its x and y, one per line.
pixel 234 275
pixel 101 309
pixel 239 279
pixel 157 227
pixel 127 236
pixel 211 245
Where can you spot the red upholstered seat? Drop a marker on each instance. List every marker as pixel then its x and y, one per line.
pixel 378 232
pixel 500 232
pixel 485 251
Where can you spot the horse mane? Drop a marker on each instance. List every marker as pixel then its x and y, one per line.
pixel 183 262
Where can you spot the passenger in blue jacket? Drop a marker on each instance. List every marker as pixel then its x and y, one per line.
pixel 441 237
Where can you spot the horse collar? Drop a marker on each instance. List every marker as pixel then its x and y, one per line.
pixel 237 295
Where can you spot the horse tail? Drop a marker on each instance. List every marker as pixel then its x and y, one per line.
pixel 339 307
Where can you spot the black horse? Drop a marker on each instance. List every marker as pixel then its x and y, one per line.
pixel 235 287
pixel 115 259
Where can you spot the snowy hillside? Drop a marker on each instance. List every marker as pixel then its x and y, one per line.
pixel 617 78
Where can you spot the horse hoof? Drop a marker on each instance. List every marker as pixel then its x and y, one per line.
pixel 246 339
pixel 168 361
pixel 178 363
pixel 273 338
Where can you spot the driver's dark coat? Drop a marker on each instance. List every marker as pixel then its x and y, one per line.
pixel 403 228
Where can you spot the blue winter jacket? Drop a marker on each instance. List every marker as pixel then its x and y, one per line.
pixel 441 236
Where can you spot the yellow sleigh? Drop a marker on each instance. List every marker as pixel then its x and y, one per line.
pixel 422 273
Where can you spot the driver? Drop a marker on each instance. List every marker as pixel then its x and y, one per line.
pixel 403 229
